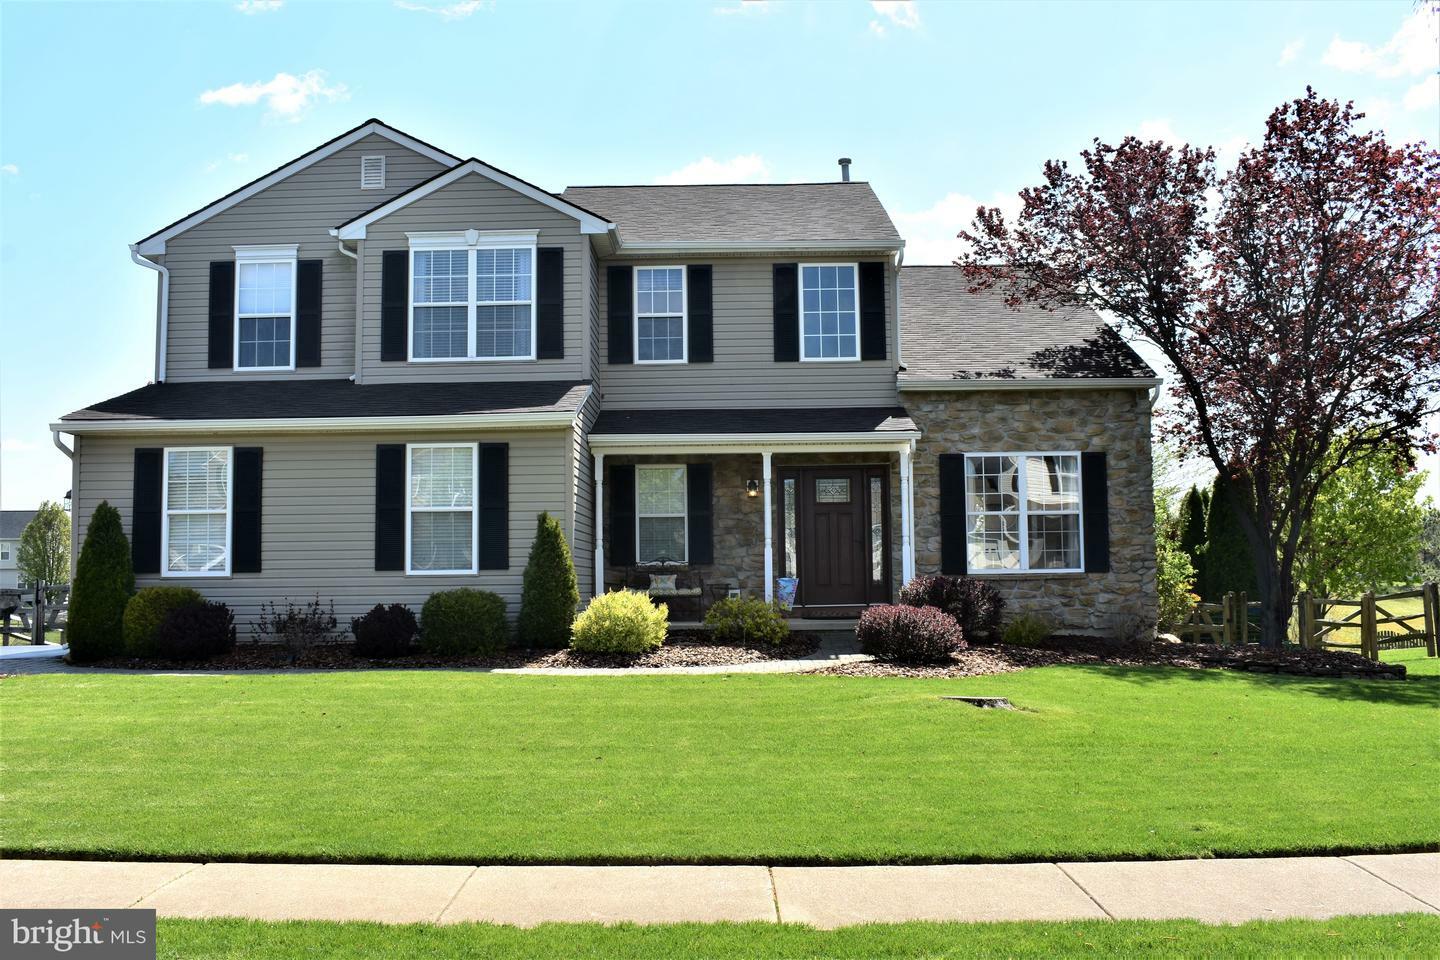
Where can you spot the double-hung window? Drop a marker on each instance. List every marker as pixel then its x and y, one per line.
pixel 660 315
pixel 1024 512
pixel 829 329
pixel 265 308
pixel 472 296
pixel 441 521
pixel 660 502
pixel 196 532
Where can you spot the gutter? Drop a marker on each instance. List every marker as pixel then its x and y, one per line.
pixel 59 445
pixel 162 321
pixel 750 246
pixel 466 421
pixel 749 441
pixel 951 385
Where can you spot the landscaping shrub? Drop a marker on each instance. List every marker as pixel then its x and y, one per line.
pixel 747 620
pixel 906 634
pixel 975 604
pixel 384 632
pixel 1027 630
pixel 464 622
pixel 550 593
pixel 196 631
pixel 622 621
pixel 298 628
pixel 146 611
pixel 104 581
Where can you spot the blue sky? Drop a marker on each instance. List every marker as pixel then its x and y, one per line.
pixel 117 118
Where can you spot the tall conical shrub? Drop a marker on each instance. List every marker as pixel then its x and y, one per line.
pixel 104 582
pixel 550 593
pixel 1227 563
pixel 1192 531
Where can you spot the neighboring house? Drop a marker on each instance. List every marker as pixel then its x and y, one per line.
pixel 377 364
pixel 12 524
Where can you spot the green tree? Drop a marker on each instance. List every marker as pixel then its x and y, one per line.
pixel 44 554
pixel 550 593
pixel 104 581
pixel 1429 562
pixel 1227 565
pixel 1367 527
pixel 1174 573
pixel 1192 529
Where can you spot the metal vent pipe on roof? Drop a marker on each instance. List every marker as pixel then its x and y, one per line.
pixel 845 169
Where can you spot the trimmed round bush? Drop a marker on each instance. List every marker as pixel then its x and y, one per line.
pixel 147 610
pixel 104 581
pixel 901 634
pixel 196 631
pixel 976 605
pixel 384 632
pixel 747 620
pixel 1027 630
pixel 464 622
pixel 550 592
pixel 622 621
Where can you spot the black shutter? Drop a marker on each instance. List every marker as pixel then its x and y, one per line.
pixel 222 314
pixel 1095 512
pixel 872 311
pixel 494 506
pixel 621 547
pixel 390 506
pixel 309 284
pixel 394 304
pixel 145 509
pixel 620 310
pixel 699 502
pixel 787 312
pixel 701 332
pixel 245 523
pixel 953 527
pixel 550 304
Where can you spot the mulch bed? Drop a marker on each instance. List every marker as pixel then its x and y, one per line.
pixel 979 661
pixel 681 649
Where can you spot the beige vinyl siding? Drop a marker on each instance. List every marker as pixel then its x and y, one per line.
pixel 318 516
pixel 744 373
pixel 475 202
pixel 301 209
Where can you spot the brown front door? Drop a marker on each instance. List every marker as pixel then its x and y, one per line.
pixel 834 537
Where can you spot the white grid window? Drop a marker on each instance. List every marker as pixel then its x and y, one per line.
pixel 441 508
pixel 264 314
pixel 660 314
pixel 441 297
pixel 660 514
pixel 4 551
pixel 1024 512
pixel 828 327
pixel 197 497
pixel 489 317
pixel 504 307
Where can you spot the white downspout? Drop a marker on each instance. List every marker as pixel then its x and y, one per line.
pixel 907 515
pixel 769 535
pixel 354 377
pixel 162 323
pixel 60 445
pixel 599 531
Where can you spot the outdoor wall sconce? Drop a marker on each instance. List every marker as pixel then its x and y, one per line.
pixel 752 488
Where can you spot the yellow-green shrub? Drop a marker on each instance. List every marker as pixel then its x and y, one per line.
pixel 146 611
pixel 747 620
pixel 622 621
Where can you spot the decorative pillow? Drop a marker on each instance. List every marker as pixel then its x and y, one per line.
pixel 659 581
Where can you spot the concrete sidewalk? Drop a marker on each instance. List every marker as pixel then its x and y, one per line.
pixel 1214 891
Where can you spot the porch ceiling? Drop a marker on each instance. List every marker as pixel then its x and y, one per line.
pixel 755 429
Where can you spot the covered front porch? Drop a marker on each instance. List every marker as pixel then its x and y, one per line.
pixel 735 502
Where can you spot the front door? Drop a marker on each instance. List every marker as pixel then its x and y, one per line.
pixel 836 541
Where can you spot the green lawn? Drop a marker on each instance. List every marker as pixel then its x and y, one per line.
pixel 466 767
pixel 1412 935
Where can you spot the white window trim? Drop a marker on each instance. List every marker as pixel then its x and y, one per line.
pixel 287 254
pixel 4 551
pixel 368 159
pixel 800 311
pixel 1024 514
pixel 411 509
pixel 684 312
pixel 683 515
pixel 471 240
pixel 165 513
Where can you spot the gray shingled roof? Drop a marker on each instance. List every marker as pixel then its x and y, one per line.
pixel 302 399
pixel 14 522
pixel 879 420
pixel 951 333
pixel 740 213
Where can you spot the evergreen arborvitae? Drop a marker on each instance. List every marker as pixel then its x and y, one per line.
pixel 1192 530
pixel 104 583
pixel 1227 563
pixel 550 593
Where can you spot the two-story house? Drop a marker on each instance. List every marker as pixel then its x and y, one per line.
pixel 377 364
pixel 12 525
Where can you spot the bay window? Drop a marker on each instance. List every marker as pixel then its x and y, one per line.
pixel 1023 512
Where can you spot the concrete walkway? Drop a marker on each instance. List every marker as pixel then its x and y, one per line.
pixel 1213 891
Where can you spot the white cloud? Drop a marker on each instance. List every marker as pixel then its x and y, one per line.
pixel 286 96
pixel 252 7
pixel 1425 95
pixel 1158 129
pixel 10 168
pixel 1291 51
pixel 745 8
pixel 930 234
pixel 448 11
pixel 900 13
pixel 1409 53
pixel 745 168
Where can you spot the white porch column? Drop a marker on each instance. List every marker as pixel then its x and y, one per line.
pixel 769 532
pixel 599 531
pixel 907 516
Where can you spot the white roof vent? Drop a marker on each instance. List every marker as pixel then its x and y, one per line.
pixel 372 173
